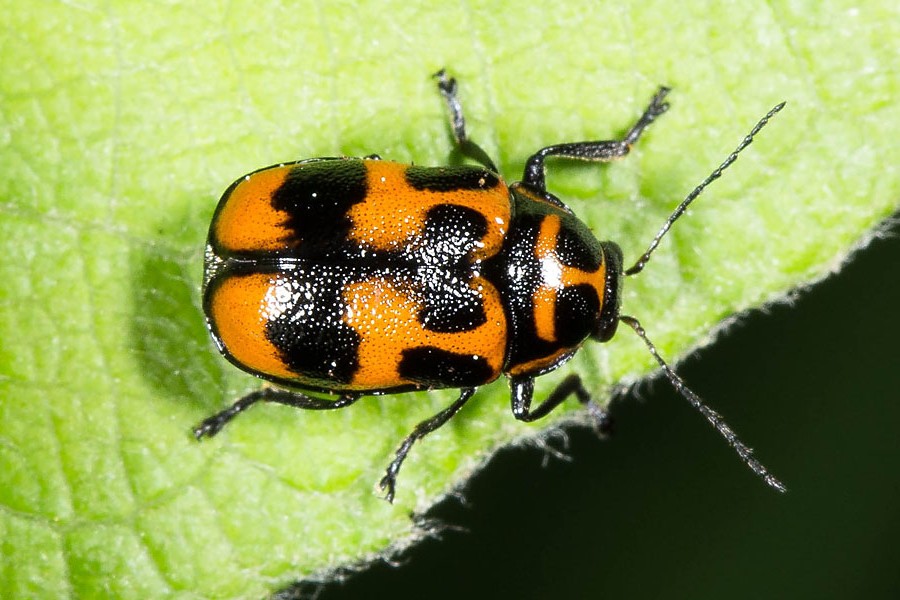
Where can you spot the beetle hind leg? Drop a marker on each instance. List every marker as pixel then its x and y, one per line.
pixel 389 481
pixel 212 425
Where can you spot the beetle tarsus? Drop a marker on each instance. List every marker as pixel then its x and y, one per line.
pixel 421 430
pixel 388 483
pixel 656 107
pixel 210 426
pixel 601 420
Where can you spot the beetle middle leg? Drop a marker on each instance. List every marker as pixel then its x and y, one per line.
pixel 389 481
pixel 214 424
pixel 595 151
pixel 466 147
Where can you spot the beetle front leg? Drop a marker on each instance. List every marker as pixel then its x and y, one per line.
pixel 595 151
pixel 389 481
pixel 522 389
pixel 214 424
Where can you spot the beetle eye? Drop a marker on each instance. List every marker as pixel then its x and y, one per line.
pixel 605 329
pixel 608 319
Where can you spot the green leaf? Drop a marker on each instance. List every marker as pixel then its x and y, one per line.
pixel 121 123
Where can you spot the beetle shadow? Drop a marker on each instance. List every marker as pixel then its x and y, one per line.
pixel 168 335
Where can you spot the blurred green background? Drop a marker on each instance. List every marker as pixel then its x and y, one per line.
pixel 662 509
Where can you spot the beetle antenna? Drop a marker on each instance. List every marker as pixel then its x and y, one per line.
pixel 748 139
pixel 714 418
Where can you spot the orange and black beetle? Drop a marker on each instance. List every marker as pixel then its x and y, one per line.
pixel 358 276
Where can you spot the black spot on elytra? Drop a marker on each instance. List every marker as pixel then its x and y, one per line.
pixel 449 179
pixel 432 366
pixel 449 302
pixel 317 196
pixel 453 309
pixel 310 334
pixel 450 234
pixel 577 310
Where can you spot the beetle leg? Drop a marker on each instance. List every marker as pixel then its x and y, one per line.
pixel 523 394
pixel 214 424
pixel 448 88
pixel 389 481
pixel 595 151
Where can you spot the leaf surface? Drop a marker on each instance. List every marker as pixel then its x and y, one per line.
pixel 121 123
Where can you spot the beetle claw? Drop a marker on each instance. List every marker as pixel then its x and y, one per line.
pixel 208 427
pixel 388 483
pixel 601 420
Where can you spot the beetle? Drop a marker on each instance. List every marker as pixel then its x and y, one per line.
pixel 360 276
